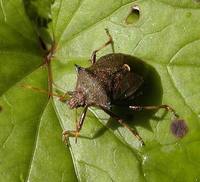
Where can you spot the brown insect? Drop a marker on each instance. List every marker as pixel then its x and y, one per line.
pixel 110 80
pixel 113 80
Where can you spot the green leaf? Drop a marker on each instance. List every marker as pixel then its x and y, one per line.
pixel 30 143
pixel 39 12
pixel 166 36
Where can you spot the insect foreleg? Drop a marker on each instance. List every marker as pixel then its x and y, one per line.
pixel 75 133
pixel 110 41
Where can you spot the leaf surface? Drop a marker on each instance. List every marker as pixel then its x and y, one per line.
pixel 166 36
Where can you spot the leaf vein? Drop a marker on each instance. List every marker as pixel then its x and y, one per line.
pixel 73 14
pixel 22 78
pixel 96 167
pixel 35 144
pixel 56 21
pixel 93 24
pixel 179 93
pixel 180 49
pixel 176 6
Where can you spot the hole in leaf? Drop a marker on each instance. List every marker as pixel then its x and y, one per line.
pixel 133 16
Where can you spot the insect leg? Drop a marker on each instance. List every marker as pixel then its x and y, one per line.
pixel 75 133
pixel 81 120
pixel 166 107
pixel 117 118
pixel 110 41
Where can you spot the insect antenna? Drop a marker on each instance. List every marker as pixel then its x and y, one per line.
pixel 58 87
pixel 62 98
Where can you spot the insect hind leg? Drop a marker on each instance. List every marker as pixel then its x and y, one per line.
pixel 118 119
pixel 110 41
pixel 164 106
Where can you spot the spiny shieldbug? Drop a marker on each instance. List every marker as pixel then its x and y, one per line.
pixel 112 80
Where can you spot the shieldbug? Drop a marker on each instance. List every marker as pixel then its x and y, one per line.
pixel 111 80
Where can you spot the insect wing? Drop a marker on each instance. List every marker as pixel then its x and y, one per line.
pixel 125 86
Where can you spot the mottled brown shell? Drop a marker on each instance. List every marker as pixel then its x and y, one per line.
pixel 108 82
pixel 120 85
pixel 92 89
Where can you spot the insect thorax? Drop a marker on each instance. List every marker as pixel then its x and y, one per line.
pixel 92 89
